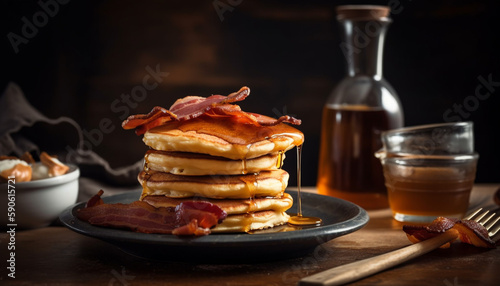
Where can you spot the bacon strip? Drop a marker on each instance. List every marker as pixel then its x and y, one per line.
pixel 191 229
pixel 249 117
pixel 95 200
pixel 420 233
pixel 183 109
pixel 469 231
pixel 474 233
pixel 269 121
pixel 191 107
pixel 202 206
pixel 194 106
pixel 143 122
pixel 139 216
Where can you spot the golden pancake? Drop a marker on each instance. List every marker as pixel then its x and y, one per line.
pixel 266 183
pixel 251 221
pixel 230 206
pixel 223 137
pixel 196 164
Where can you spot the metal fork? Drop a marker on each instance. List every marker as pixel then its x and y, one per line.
pixel 484 219
pixel 363 268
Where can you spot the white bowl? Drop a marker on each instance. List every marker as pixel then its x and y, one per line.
pixel 38 203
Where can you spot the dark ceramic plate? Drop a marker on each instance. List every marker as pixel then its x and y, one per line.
pixel 339 218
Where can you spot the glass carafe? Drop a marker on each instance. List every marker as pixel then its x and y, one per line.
pixel 361 106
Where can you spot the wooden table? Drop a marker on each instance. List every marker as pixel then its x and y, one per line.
pixel 56 255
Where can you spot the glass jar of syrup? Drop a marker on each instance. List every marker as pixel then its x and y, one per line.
pixel 361 106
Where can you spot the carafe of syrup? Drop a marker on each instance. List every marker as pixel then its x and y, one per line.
pixel 361 106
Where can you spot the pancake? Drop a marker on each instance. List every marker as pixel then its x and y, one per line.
pixel 223 137
pixel 231 207
pixel 251 221
pixel 196 164
pixel 266 183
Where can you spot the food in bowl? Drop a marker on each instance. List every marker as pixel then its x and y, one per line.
pixel 11 167
pixel 37 202
pixel 26 169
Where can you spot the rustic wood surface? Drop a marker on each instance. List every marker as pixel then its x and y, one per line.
pixel 56 255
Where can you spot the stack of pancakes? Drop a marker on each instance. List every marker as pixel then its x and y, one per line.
pixel 233 165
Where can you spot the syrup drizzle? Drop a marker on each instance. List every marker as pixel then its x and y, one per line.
pixel 252 185
pixel 299 219
pixel 279 161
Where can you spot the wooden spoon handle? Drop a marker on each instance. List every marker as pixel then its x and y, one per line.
pixel 363 268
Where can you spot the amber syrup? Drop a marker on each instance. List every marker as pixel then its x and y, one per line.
pixel 299 219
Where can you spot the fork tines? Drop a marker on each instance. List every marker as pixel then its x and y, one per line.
pixel 484 219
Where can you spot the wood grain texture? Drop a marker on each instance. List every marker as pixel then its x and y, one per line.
pixel 56 255
pixel 360 269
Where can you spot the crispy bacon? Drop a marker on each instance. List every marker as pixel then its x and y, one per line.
pixel 152 124
pixel 95 200
pixel 190 229
pixel 143 122
pixel 194 106
pixel 249 117
pixel 191 107
pixel 474 233
pixel 139 216
pixel 180 103
pixel 269 121
pixel 468 231
pixel 420 233
pixel 205 207
pixel 183 109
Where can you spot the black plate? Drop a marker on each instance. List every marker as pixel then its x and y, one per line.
pixel 339 218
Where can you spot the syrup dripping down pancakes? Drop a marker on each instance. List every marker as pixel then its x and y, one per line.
pixel 208 149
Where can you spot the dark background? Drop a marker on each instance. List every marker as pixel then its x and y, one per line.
pixel 89 53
